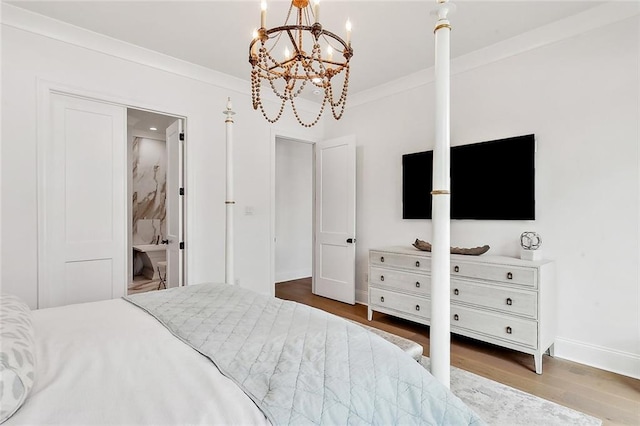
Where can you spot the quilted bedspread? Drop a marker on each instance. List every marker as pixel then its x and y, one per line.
pixel 301 365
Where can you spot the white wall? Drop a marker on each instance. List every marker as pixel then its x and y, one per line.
pixel 580 96
pixel 294 210
pixel 166 85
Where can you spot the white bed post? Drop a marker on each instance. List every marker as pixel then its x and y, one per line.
pixel 229 276
pixel 440 336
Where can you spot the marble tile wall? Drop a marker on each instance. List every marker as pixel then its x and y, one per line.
pixel 149 179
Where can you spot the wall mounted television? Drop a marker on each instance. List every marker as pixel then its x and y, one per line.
pixel 492 180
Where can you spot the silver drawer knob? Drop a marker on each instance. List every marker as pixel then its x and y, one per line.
pixel 509 331
pixel 456 317
pixel 509 276
pixel 381 277
pixel 456 291
pixel 417 307
pixel 509 301
pixel 417 284
pixel 382 259
pixel 417 264
pixel 382 299
pixel 456 268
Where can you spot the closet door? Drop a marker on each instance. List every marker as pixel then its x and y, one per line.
pixel 83 244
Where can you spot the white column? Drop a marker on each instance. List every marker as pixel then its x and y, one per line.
pixel 440 335
pixel 229 275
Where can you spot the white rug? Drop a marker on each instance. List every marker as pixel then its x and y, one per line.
pixel 502 405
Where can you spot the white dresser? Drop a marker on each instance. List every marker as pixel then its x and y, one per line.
pixel 501 300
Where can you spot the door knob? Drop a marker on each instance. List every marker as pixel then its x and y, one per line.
pixel 351 240
pixel 165 241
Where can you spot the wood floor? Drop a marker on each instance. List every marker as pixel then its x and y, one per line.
pixel 611 397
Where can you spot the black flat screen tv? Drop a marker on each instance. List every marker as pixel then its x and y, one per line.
pixel 492 180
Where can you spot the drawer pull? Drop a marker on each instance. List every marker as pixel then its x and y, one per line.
pixel 456 317
pixel 417 307
pixel 456 291
pixel 456 268
pixel 509 301
pixel 509 331
pixel 382 259
pixel 382 299
pixel 381 277
pixel 509 276
pixel 417 284
pixel 417 263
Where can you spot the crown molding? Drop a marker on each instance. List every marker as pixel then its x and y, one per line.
pixel 580 23
pixel 25 20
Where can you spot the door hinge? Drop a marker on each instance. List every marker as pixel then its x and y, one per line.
pixel 181 192
pixel 182 245
pixel 181 136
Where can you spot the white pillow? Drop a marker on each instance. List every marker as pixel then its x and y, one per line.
pixel 17 355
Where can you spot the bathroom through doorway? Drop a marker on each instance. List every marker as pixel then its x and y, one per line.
pixel 155 163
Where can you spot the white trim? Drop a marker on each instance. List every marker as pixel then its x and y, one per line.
pixel 572 26
pixel 44 90
pixel 625 363
pixel 22 19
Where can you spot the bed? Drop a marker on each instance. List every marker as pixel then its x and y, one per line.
pixel 125 362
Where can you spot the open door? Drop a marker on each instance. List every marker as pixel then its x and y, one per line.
pixel 335 250
pixel 175 205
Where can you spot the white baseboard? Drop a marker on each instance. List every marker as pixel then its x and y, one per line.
pixel 282 276
pixel 625 363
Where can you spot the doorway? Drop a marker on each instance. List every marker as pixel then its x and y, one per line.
pixel 155 210
pixel 84 209
pixel 294 210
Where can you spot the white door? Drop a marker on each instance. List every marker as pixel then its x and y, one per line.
pixel 175 274
pixel 83 212
pixel 335 251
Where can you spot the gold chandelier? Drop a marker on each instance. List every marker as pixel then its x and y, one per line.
pixel 307 61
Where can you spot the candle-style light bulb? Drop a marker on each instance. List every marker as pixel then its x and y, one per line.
pixel 254 35
pixel 348 26
pixel 229 106
pixel 330 53
pixel 316 10
pixel 263 14
pixel 287 54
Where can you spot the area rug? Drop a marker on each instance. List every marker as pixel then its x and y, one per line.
pixel 499 405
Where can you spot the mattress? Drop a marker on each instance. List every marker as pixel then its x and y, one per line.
pixel 109 362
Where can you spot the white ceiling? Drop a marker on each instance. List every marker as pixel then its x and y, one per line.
pixel 143 121
pixel 390 39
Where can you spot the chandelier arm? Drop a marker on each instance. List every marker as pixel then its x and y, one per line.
pixel 293 41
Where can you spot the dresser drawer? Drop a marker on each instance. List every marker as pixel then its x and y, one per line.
pixel 513 301
pixel 404 261
pixel 412 305
pixel 526 277
pixel 504 327
pixel 399 280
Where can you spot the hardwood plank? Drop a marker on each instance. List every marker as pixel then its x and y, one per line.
pixel 611 397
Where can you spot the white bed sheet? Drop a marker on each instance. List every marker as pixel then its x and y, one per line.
pixel 111 363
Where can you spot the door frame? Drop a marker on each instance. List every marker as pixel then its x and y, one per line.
pixel 301 137
pixel 45 88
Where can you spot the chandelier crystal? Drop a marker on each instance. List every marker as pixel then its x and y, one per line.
pixel 297 56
